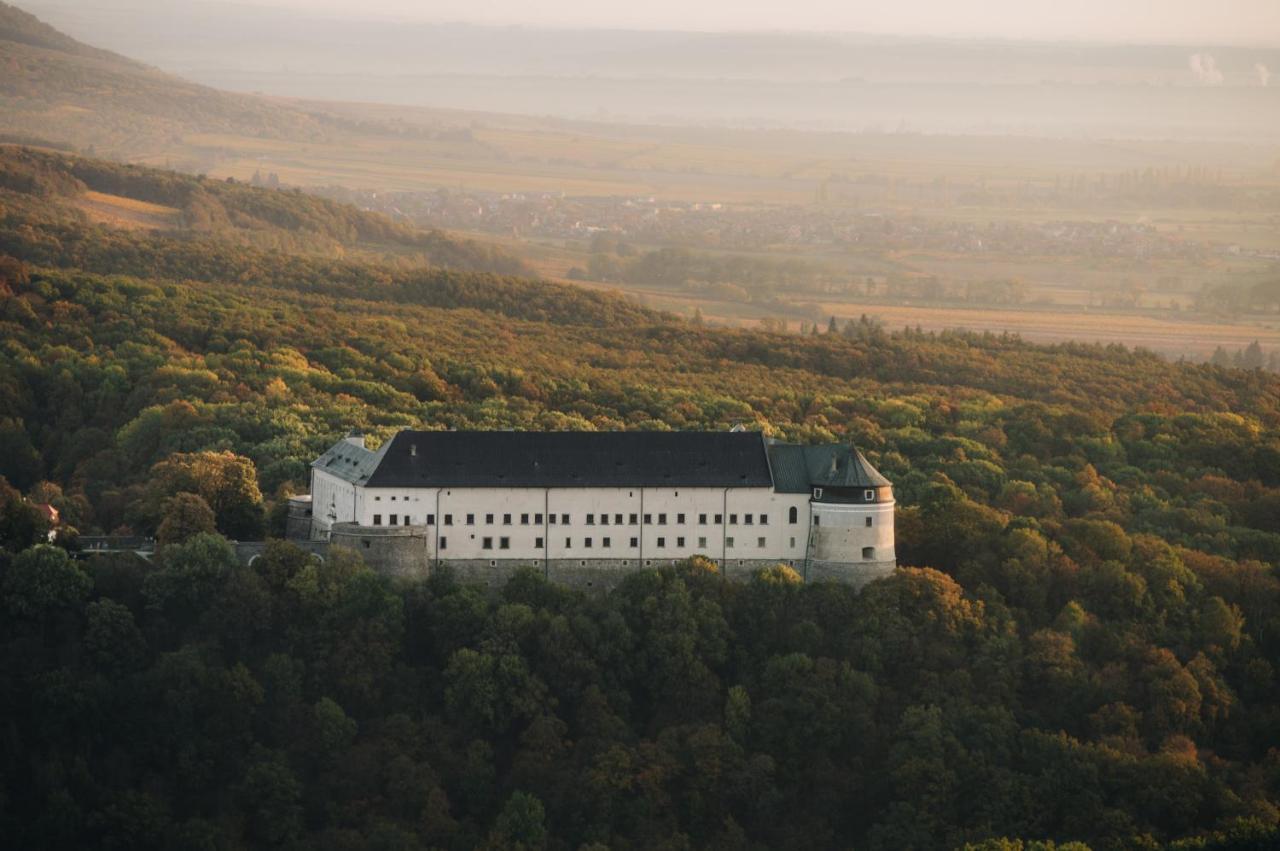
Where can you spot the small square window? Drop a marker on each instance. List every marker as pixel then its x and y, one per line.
pixel 393 499
pixel 662 542
pixel 702 543
pixel 537 543
pixel 405 520
pixel 377 520
pixel 764 519
pixel 662 519
pixel 760 543
pixel 634 518
pixel 564 518
pixel 748 519
pixel 488 519
pixel 537 518
pixel 431 520
pixel 524 519
pixel 486 543
pixel 648 520
pixel 394 519
pixel 869 495
pixel 377 499
pixel 733 520
pixel 551 518
pixel 504 543
pixel 728 542
pixel 586 542
pixel 365 541
pixel 680 519
pixel 679 542
pixel 868 522
pixel 471 520
pixel 635 542
pixel 617 520
pixel 591 520
pixel 448 520
pixel 868 553
pixel 719 519
pixel 606 543
pixel 702 520
pixel 604 519
pixel 506 520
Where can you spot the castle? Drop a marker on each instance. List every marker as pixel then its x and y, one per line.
pixel 586 508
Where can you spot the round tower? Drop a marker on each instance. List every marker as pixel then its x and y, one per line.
pixel 851 529
pixel 297 524
pixel 399 551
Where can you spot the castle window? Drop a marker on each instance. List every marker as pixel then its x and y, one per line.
pixel 524 519
pixel 764 519
pixel 733 520
pixel 586 542
pixel 748 518
pixel 869 495
pixel 760 542
pixel 552 519
pixel 728 542
pixel 365 541
pixel 405 520
pixel 606 543
pixel 444 543
pixel 537 518
pixel 506 520
pixel 393 499
pixel 377 499
pixel 591 520
pixel 448 520
pixel 564 518
pixel 869 523
pixel 377 520
pixel 662 542
pixel 568 542
pixel 471 520
pixel 486 543
pixel 537 543
pixel 868 553
pixel 662 519
pixel 635 542
pixel 633 519
pixel 702 543
pixel 431 520
pixel 617 520
pixel 719 519
pixel 504 543
pixel 679 542
pixel 679 519
pixel 604 519
pixel 793 543
pixel 488 519
pixel 395 518
pixel 648 519
pixel 702 520
pixel 817 493
pixel 817 521
pixel 793 515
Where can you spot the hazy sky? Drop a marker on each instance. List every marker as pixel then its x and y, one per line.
pixel 1240 21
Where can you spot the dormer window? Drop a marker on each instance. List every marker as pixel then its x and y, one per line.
pixel 869 495
pixel 817 493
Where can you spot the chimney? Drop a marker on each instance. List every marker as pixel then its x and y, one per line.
pixel 355 438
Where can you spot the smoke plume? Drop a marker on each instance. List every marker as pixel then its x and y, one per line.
pixel 1205 67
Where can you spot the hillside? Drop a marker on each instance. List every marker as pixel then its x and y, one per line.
pixel 60 90
pixel 60 191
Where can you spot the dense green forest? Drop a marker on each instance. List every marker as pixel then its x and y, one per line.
pixel 1083 648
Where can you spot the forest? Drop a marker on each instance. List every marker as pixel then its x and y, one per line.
pixel 1079 649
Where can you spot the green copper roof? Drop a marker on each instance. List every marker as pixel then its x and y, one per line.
pixel 798 469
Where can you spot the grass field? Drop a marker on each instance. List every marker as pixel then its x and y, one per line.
pixel 127 213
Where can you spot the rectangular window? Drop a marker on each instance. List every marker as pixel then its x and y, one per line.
pixel 728 542
pixel 817 521
pixel 524 519
pixel 868 522
pixel 431 520
pixel 393 499
pixel 377 499
pixel 648 520
pixel 471 520
pixel 680 519
pixel 662 542
pixel 764 519
pixel 719 519
pixel 506 520
pixel 604 519
pixel 591 520
pixel 748 519
pixel 537 543
pixel 444 543
pixel 504 543
pixel 869 495
pixel 405 520
pixel 564 518
pixel 606 543
pixel 586 542
pixel 868 553
pixel 733 520
pixel 635 542
pixel 634 518
pixel 488 520
pixel 552 519
pixel 448 520
pixel 568 542
pixel 702 520
pixel 486 543
pixel 793 542
pixel 817 493
pixel 617 520
pixel 680 542
pixel 537 518
pixel 662 519
pixel 702 543
pixel 377 520
pixel 394 519
pixel 760 543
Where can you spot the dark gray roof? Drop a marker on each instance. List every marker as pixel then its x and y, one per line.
pixel 349 461
pixel 572 459
pixel 796 469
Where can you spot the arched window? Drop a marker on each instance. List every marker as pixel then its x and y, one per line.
pixel 794 515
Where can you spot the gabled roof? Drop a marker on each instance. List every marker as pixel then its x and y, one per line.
pixel 797 469
pixel 572 459
pixel 349 461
